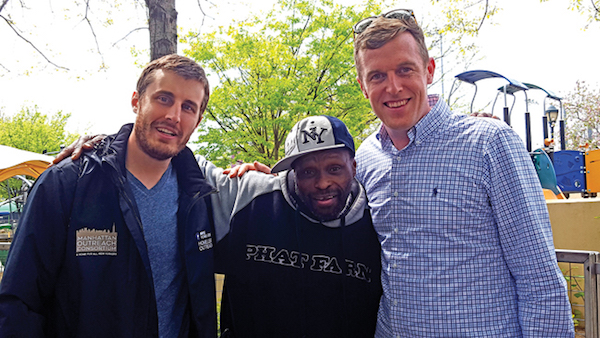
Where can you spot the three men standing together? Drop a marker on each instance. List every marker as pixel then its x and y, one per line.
pixel 457 209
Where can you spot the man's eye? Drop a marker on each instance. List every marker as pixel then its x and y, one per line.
pixel 335 169
pixel 163 99
pixel 376 77
pixel 187 107
pixel 307 173
pixel 404 70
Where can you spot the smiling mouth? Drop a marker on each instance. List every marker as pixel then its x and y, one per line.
pixel 325 198
pixel 324 201
pixel 396 104
pixel 166 131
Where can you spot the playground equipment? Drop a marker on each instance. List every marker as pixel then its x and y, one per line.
pixel 563 171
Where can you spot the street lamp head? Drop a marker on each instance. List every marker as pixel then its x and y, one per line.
pixel 552 114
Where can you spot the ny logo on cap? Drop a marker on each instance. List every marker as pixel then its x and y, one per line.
pixel 313 135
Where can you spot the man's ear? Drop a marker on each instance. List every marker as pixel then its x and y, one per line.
pixel 362 88
pixel 135 102
pixel 199 120
pixel 430 70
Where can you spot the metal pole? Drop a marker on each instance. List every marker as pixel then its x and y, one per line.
pixel 563 141
pixel 442 62
pixel 506 113
pixel 528 131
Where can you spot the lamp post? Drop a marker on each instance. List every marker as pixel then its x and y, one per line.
pixel 552 114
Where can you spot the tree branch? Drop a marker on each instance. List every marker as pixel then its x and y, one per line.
pixel 485 14
pixel 29 42
pixel 4 2
pixel 125 37
pixel 87 7
pixel 201 10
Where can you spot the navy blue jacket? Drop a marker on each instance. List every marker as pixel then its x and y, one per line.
pixel 78 265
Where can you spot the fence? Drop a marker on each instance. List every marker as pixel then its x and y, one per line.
pixel 583 267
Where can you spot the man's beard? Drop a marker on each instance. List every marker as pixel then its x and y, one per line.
pixel 331 213
pixel 153 148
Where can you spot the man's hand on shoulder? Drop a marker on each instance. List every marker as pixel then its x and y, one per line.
pixel 240 169
pixel 78 147
pixel 481 114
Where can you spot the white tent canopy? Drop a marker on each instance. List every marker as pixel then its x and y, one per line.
pixel 15 161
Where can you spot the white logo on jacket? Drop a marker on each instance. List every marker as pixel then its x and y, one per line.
pixel 204 240
pixel 94 242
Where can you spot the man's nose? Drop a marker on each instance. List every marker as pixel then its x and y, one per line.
pixel 394 84
pixel 174 114
pixel 323 182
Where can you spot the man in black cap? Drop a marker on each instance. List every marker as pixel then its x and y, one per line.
pixel 301 257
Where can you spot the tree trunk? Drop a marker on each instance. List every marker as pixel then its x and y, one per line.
pixel 162 21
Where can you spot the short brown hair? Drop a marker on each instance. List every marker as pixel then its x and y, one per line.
pixel 382 30
pixel 180 65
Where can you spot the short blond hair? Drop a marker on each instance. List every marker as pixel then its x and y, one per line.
pixel 381 31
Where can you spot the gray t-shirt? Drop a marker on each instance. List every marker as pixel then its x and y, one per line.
pixel 158 209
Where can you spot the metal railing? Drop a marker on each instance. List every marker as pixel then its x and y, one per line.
pixel 591 268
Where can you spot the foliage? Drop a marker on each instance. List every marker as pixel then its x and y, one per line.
pixel 273 71
pixel 33 131
pixel 294 61
pixel 582 110
pixel 575 289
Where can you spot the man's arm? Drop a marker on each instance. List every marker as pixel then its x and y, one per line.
pixel 241 169
pixel 526 239
pixel 234 193
pixel 88 142
pixel 35 257
pixel 78 147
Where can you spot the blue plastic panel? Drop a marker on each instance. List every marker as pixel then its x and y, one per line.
pixel 570 170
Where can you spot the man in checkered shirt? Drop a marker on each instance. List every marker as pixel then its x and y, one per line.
pixel 467 246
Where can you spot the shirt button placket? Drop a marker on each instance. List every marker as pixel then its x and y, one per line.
pixel 398 158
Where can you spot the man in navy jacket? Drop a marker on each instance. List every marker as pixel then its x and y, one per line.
pixel 94 256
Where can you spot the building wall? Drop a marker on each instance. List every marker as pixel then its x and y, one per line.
pixel 575 223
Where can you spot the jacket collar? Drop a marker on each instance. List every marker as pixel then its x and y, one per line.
pixel 113 149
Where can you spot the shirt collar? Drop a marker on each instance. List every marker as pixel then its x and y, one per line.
pixel 428 125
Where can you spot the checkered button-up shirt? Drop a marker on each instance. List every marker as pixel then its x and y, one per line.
pixel 467 247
